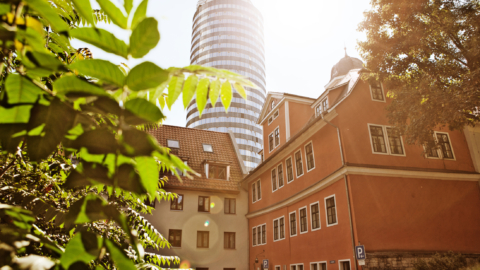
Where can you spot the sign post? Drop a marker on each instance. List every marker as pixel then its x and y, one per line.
pixel 265 264
pixel 360 254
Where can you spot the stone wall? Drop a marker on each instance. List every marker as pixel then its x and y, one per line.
pixel 403 260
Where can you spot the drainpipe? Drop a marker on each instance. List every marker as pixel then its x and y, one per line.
pixel 339 138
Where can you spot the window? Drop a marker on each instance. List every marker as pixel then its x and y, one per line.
pixel 203 239
pixel 279 229
pixel 273 104
pixel 386 140
pixel 377 91
pixel 277 137
pixel 217 172
pixel 274 179
pixel 325 105
pixel 270 142
pixel 310 158
pixel 259 235
pixel 303 220
pixel 230 206
pixel 315 212
pixel 229 240
pixel 444 148
pixel 331 211
pixel 299 163
pixel 203 204
pixel 202 268
pixel 296 266
pixel 207 148
pixel 293 223
pixel 180 172
pixel 344 264
pixel 256 191
pixel 173 144
pixel 278 267
pixel 280 175
pixel 177 203
pixel 275 114
pixel 175 238
pixel 322 107
pixel 318 266
pixel 288 162
pixel 228 268
pixel 270 120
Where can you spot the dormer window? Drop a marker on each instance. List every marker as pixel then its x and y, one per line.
pixel 270 120
pixel 217 171
pixel 173 144
pixel 207 148
pixel 273 104
pixel 376 91
pixel 322 107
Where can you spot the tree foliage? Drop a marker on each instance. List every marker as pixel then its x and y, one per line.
pixel 76 165
pixel 427 54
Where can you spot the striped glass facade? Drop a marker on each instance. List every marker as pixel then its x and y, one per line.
pixel 228 34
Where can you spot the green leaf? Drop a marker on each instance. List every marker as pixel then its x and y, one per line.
pixel 102 39
pixel 137 143
pixel 4 8
pixel 129 180
pixel 72 85
pixel 128 4
pixel 174 89
pixel 148 170
pixel 226 93
pixel 21 90
pixel 189 89
pixel 75 251
pixel 121 261
pixel 53 132
pixel 140 14
pixel 44 60
pixel 214 92
pixel 85 9
pixel 145 76
pixel 49 14
pixel 100 69
pixel 15 115
pixel 202 92
pixel 144 109
pixel 98 141
pixel 145 36
pixel 240 90
pixel 113 13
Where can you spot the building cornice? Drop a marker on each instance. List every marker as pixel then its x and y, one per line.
pixel 351 170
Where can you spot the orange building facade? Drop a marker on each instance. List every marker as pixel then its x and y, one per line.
pixel 336 175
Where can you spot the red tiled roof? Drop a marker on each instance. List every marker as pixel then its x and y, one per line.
pixel 191 149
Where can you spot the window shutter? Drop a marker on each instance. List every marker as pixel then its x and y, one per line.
pixel 228 173
pixel 206 170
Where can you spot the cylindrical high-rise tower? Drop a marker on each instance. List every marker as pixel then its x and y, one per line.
pixel 228 34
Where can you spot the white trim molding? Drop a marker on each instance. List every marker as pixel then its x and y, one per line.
pixel 326 210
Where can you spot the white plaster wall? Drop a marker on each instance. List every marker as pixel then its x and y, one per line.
pixel 190 221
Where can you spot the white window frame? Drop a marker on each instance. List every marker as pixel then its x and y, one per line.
pixel 276 179
pixel 322 108
pixel 319 217
pixel 276 112
pixel 173 141
pixel 258 184
pixel 260 227
pixel 278 267
pixel 286 173
pixel 306 158
pixel 283 175
pixel 289 224
pixel 254 228
pixel 326 211
pixel 299 217
pixel 383 93
pixel 273 137
pixel 278 127
pixel 301 156
pixel 439 151
pixel 318 265
pixel 340 265
pixel 279 234
pixel 203 145
pixel 270 120
pixel 387 141
pixel 296 264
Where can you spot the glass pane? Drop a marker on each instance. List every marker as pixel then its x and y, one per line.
pixel 227 206
pixel 232 206
pixel 222 173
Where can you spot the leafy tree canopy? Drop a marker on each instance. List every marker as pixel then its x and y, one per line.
pixel 428 55
pixel 76 165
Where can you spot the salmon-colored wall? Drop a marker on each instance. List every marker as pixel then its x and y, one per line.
pixel 358 110
pixel 268 129
pixel 299 116
pixel 334 94
pixel 325 244
pixel 416 214
pixel 326 151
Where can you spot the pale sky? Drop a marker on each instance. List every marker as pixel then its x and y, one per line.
pixel 303 40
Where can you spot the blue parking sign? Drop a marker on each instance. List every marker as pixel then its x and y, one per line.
pixel 265 264
pixel 360 253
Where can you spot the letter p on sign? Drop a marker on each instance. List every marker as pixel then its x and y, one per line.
pixel 360 252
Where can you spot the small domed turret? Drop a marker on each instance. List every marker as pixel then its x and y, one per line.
pixel 345 64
